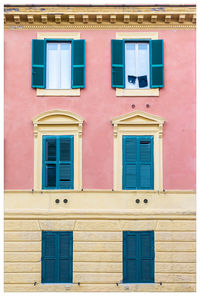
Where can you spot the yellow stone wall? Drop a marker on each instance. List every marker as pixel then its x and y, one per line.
pixel 97 242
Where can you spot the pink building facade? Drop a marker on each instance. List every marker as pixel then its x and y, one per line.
pixel 100 212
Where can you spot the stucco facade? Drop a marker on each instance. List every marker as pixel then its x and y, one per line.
pixel 98 210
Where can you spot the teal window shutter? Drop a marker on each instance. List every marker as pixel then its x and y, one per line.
pixel 58 162
pixel 49 257
pixel 78 63
pixel 138 256
pixel 65 257
pixel 137 163
pixel 156 63
pixel 38 63
pixel 57 256
pixel 129 162
pixel 117 63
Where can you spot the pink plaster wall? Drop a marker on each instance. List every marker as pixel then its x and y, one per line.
pixel 98 105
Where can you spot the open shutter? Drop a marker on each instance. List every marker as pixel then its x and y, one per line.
pixel 129 162
pixel 146 242
pixel 38 63
pixel 49 257
pixel 157 63
pixel 145 163
pixel 117 63
pixel 65 257
pixel 66 167
pixel 78 63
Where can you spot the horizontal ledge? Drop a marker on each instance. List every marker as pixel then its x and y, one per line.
pixel 100 191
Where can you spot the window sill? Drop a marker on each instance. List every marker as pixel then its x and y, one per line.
pixel 121 92
pixel 58 92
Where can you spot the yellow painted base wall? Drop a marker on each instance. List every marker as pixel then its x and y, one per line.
pixel 97 253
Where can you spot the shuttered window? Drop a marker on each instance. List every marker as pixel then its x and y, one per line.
pixel 137 163
pixel 58 63
pixel 137 63
pixel 58 162
pixel 138 256
pixel 57 256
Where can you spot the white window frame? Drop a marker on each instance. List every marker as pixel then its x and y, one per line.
pixel 57 69
pixel 136 71
pixel 58 92
pixel 124 92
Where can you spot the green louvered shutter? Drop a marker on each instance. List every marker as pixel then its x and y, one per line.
pixel 145 163
pixel 78 63
pixel 57 256
pixel 58 162
pixel 157 63
pixel 138 257
pixel 65 257
pixel 49 162
pixel 38 63
pixel 117 63
pixel 130 257
pixel 137 163
pixel 129 162
pixel 66 171
pixel 49 257
pixel 146 255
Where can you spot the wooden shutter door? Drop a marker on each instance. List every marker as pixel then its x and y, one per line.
pixel 66 162
pixel 78 63
pixel 129 162
pixel 146 242
pixel 65 257
pixel 130 257
pixel 49 162
pixel 145 163
pixel 38 63
pixel 138 256
pixel 117 63
pixel 156 63
pixel 49 257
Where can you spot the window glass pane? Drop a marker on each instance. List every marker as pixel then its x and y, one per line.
pixel 65 65
pixel 130 65
pixel 143 64
pixel 136 65
pixel 53 62
pixel 58 73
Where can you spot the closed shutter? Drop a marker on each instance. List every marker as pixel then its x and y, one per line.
pixel 138 256
pixel 129 162
pixel 65 257
pixel 157 63
pixel 137 159
pixel 130 257
pixel 58 162
pixel 146 254
pixel 117 63
pixel 38 63
pixel 57 256
pixel 78 63
pixel 49 257
pixel 146 180
pixel 66 162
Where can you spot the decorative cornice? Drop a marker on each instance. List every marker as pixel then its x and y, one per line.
pixel 104 17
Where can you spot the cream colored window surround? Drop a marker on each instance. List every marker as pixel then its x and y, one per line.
pixel 57 122
pixel 58 92
pixel 135 124
pixel 122 92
